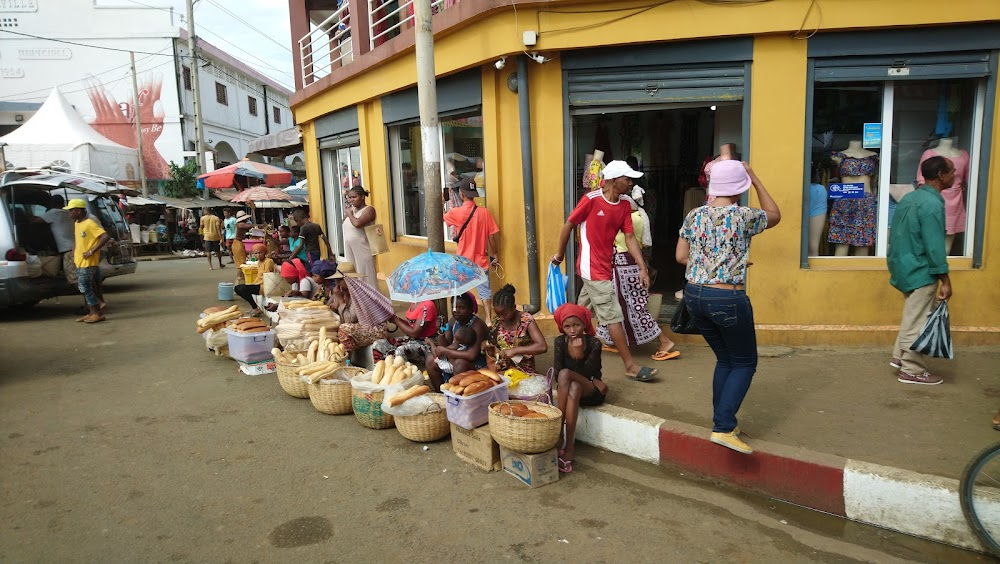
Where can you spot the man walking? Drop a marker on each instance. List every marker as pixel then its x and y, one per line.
pixel 89 238
pixel 917 262
pixel 601 215
pixel 311 234
pixel 211 234
pixel 477 237
pixel 229 231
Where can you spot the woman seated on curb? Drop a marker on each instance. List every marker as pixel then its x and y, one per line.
pixel 419 324
pixel 248 291
pixel 294 272
pixel 470 358
pixel 515 338
pixel 577 363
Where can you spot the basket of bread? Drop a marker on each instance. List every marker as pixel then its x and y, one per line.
pixel 525 426
pixel 332 394
pixel 298 370
pixel 368 389
pixel 419 415
pixel 468 396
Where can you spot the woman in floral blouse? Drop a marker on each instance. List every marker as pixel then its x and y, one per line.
pixel 515 336
pixel 714 243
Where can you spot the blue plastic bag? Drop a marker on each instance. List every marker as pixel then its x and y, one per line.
pixel 935 338
pixel 555 294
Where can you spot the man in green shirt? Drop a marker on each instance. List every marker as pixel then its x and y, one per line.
pixel 917 262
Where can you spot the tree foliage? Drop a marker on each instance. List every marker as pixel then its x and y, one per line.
pixel 185 180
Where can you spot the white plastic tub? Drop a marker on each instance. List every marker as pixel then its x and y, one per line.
pixel 469 412
pixel 251 347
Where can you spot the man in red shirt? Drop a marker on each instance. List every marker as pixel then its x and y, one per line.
pixel 478 237
pixel 600 216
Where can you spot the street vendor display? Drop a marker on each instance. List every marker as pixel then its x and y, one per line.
pixel 525 426
pixel 300 323
pixel 369 390
pixel 319 359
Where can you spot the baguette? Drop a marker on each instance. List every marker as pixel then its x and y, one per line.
pixel 492 375
pixel 457 390
pixel 256 330
pixel 533 415
pixel 445 387
pixel 454 380
pixel 377 373
pixel 469 380
pixel 213 309
pixel 407 395
pixel 477 387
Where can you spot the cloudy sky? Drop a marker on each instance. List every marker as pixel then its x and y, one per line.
pixel 258 35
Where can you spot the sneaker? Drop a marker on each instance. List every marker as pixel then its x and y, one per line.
pixel 926 378
pixel 896 363
pixel 730 440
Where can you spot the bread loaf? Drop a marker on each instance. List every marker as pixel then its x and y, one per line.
pixel 491 374
pixel 408 394
pixel 477 387
pixel 533 415
pixel 469 380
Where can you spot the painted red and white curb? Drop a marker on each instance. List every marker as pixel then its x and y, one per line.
pixel 909 502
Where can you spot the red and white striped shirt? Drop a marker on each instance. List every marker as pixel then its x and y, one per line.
pixel 599 221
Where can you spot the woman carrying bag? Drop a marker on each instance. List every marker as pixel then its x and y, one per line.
pixel 714 244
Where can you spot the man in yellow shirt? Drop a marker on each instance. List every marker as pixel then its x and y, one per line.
pixel 211 232
pixel 89 237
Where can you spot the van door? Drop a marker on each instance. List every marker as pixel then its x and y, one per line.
pixel 123 251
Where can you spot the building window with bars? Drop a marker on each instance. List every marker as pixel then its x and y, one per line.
pixel 220 94
pixel 277 114
pixel 252 103
pixel 186 73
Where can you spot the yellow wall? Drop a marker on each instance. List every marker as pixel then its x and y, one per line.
pixel 835 300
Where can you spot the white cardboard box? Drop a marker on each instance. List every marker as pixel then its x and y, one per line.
pixel 258 368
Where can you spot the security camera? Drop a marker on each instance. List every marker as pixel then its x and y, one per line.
pixel 500 63
pixel 538 58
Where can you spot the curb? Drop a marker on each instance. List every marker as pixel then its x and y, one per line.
pixel 162 257
pixel 916 504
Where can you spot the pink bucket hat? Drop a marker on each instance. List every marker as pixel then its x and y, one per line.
pixel 729 178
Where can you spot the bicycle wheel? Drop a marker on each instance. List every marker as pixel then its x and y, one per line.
pixel 979 492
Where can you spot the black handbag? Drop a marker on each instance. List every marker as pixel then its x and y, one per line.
pixel 682 322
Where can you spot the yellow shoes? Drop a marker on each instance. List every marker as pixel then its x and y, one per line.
pixel 731 441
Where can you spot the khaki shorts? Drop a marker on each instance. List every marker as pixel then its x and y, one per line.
pixel 599 296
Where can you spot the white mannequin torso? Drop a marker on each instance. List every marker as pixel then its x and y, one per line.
pixel 946 148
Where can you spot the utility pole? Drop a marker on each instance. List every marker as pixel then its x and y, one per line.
pixel 430 141
pixel 199 133
pixel 138 126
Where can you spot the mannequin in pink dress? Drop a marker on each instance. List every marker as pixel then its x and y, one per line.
pixel 954 198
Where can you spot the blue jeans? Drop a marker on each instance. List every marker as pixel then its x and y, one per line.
pixel 725 319
pixel 87 280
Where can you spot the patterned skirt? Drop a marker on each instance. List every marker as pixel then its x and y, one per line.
pixel 640 325
pixel 852 221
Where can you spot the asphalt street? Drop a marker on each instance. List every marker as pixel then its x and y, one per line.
pixel 127 441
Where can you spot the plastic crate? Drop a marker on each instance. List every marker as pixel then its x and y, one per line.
pixel 469 412
pixel 251 347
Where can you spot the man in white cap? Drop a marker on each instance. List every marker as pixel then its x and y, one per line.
pixel 600 216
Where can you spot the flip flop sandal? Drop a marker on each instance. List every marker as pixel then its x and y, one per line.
pixel 93 319
pixel 665 355
pixel 84 318
pixel 610 349
pixel 565 466
pixel 646 374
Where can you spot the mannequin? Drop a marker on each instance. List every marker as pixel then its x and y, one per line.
pixel 817 213
pixel 852 221
pixel 954 198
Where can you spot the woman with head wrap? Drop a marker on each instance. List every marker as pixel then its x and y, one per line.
pixel 577 364
pixel 264 265
pixel 640 325
pixel 294 272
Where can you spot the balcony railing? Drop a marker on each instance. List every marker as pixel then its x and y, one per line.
pixel 327 46
pixel 386 23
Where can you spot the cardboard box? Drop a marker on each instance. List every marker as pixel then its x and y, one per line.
pixel 476 447
pixel 534 470
pixel 258 368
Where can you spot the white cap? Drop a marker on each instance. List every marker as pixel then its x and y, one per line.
pixel 615 169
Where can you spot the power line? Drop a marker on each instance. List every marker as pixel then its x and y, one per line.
pixel 106 86
pixel 160 8
pixel 259 60
pixel 249 25
pixel 87 45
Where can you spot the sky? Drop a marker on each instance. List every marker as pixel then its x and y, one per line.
pixel 267 49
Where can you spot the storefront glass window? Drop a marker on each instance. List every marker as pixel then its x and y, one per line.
pixel 868 140
pixel 462 149
pixel 341 171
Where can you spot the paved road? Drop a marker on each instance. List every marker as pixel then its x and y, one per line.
pixel 127 442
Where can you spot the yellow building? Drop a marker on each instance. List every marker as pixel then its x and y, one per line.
pixel 790 84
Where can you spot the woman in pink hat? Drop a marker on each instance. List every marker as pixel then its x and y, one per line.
pixel 714 243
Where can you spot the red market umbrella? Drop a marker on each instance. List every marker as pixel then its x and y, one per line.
pixel 266 174
pixel 261 194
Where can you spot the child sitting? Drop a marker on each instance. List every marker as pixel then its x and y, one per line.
pixel 465 337
pixel 577 363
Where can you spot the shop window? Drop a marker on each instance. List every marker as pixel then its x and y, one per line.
pixel 277 114
pixel 252 105
pixel 341 171
pixel 868 139
pixel 462 149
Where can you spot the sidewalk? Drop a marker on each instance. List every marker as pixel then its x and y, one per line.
pixel 832 429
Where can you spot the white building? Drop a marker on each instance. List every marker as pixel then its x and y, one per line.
pixel 83 48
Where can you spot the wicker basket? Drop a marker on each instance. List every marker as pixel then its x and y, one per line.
pixel 368 409
pixel 528 436
pixel 334 398
pixel 291 382
pixel 432 425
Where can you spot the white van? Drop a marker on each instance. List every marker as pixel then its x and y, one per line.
pixel 30 265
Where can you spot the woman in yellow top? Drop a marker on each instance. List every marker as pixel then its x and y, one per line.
pixel 247 291
pixel 640 325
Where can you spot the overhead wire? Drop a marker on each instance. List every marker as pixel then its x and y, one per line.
pixel 258 59
pixel 107 85
pixel 78 44
pixel 805 18
pixel 249 25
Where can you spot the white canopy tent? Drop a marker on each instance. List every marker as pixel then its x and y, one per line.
pixel 57 136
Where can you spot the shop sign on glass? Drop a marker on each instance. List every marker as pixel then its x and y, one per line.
pixel 872 138
pixel 851 191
